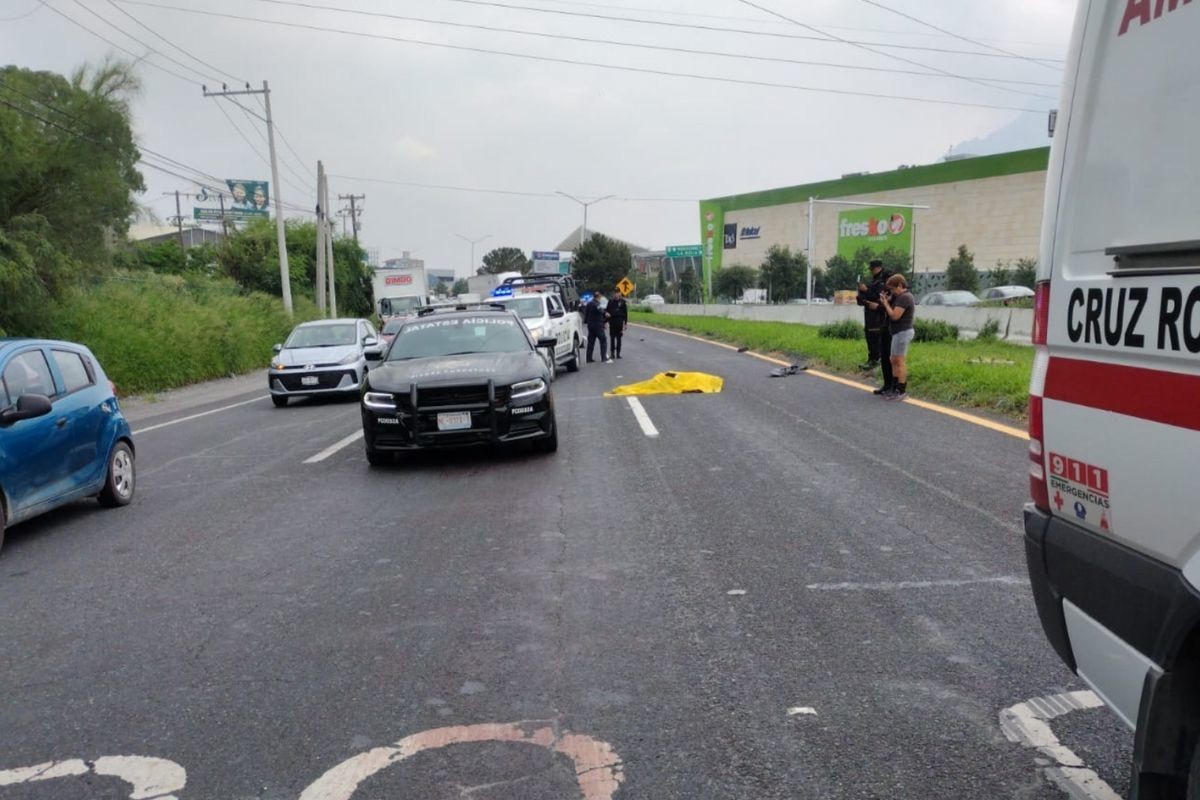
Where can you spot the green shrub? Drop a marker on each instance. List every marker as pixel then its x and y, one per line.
pixel 934 330
pixel 842 329
pixel 154 332
pixel 990 330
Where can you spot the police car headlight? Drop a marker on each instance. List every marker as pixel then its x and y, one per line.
pixel 526 391
pixel 379 401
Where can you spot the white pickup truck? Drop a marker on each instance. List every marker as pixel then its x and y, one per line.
pixel 544 315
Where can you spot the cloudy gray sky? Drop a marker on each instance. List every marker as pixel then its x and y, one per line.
pixel 375 109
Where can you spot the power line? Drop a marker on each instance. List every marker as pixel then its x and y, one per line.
pixel 870 49
pixel 509 192
pixel 149 48
pixel 975 42
pixel 303 191
pixel 682 25
pixel 204 179
pixel 578 62
pixel 28 13
pixel 198 60
pixel 303 188
pixel 638 45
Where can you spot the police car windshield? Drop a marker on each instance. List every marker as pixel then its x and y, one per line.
pixel 328 335
pixel 431 338
pixel 527 307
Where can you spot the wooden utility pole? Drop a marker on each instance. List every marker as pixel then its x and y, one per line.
pixel 329 256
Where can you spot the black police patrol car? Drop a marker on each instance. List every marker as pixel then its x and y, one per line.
pixel 458 376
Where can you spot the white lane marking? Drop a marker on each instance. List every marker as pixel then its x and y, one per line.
pixel 148 778
pixel 796 711
pixel 140 431
pixel 333 448
pixel 891 586
pixel 642 417
pixel 1025 723
pixel 598 770
pixel 736 592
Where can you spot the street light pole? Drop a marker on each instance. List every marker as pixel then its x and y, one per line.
pixel 472 242
pixel 585 204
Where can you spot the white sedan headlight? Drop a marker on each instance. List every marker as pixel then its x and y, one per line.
pixel 278 365
pixel 536 331
pixel 527 391
pixel 350 359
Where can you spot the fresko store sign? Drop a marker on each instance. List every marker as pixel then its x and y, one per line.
pixel 877 229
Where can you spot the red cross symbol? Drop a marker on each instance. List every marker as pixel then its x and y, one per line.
pixel 1058 500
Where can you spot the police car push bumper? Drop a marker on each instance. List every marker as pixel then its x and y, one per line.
pixel 395 422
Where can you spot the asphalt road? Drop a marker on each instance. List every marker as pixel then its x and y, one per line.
pixel 794 590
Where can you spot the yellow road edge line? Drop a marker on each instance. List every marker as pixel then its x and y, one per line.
pixel 982 422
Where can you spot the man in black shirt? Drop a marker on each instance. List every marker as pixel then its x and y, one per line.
pixel 618 317
pixel 877 286
pixel 873 321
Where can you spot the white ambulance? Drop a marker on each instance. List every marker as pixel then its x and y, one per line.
pixel 1113 532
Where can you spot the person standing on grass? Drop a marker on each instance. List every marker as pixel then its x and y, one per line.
pixel 873 321
pixel 618 318
pixel 899 307
pixel 878 285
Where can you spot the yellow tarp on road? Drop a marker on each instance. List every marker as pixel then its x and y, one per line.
pixel 672 383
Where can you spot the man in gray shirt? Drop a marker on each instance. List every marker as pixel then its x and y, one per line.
pixel 899 307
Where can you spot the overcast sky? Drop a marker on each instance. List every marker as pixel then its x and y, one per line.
pixel 375 108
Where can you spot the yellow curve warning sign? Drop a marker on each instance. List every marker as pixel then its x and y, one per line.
pixel 672 383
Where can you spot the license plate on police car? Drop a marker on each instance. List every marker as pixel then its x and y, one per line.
pixel 454 421
pixel 309 380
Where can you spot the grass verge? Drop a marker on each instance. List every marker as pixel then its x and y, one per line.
pixel 155 332
pixel 988 375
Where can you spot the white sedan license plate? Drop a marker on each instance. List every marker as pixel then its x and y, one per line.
pixel 309 380
pixel 454 421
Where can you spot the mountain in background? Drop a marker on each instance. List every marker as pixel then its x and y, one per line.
pixel 1024 132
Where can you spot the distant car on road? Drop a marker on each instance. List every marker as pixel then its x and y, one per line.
pixel 62 434
pixel 544 315
pixel 654 300
pixel 322 357
pixel 1007 293
pixel 459 377
pixel 389 331
pixel 949 298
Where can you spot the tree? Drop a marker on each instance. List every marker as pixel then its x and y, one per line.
pixel 689 286
pixel 460 287
pixel 250 258
pixel 505 259
pixel 732 282
pixel 839 273
pixel 1025 272
pixel 67 182
pixel 895 261
pixel 961 273
pixel 600 262
pixel 1000 275
pixel 783 274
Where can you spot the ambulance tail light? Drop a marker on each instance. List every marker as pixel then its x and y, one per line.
pixel 1039 490
pixel 1041 312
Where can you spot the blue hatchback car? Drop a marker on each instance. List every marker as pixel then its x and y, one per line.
pixel 62 433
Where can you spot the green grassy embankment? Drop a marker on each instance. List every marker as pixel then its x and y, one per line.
pixel 990 375
pixel 156 332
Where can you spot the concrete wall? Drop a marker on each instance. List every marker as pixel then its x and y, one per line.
pixel 997 218
pixel 1016 324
